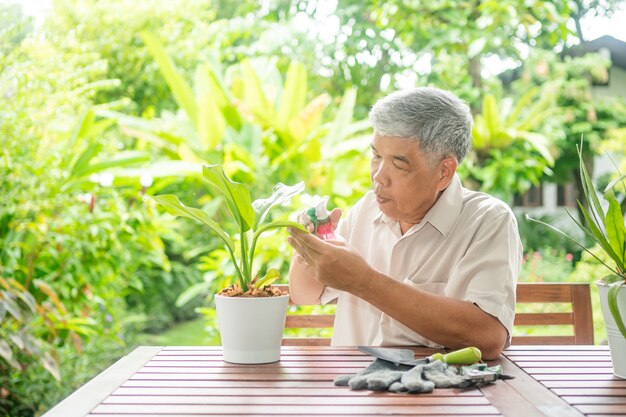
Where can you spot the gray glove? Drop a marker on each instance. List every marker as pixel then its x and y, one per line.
pixel 378 376
pixel 382 375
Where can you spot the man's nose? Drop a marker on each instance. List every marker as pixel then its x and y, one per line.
pixel 379 176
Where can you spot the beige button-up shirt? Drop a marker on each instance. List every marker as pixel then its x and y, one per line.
pixel 466 247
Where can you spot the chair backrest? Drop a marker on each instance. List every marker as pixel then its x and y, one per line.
pixel 307 321
pixel 579 316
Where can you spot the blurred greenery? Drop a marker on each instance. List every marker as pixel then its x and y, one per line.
pixel 106 102
pixel 189 333
pixel 537 238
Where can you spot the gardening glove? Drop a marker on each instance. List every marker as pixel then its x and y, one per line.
pixel 378 376
pixel 382 375
pixel 427 377
pixel 480 373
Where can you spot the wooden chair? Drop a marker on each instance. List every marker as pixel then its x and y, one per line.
pixel 579 316
pixel 575 294
pixel 307 321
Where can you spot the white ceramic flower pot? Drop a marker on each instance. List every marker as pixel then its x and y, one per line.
pixel 251 328
pixel 617 342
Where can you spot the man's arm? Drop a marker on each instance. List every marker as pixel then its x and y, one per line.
pixel 450 322
pixel 447 321
pixel 304 288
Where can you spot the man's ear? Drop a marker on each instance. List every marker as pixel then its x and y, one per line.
pixel 446 171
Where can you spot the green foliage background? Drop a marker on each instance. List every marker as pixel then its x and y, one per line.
pixel 104 103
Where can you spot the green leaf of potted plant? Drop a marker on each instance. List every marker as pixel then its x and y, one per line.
pixel 608 230
pixel 244 340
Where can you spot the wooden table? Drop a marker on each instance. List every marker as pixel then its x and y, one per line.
pixel 182 381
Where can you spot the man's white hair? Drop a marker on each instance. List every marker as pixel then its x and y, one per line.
pixel 438 119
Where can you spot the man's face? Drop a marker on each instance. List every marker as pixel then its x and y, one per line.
pixel 406 185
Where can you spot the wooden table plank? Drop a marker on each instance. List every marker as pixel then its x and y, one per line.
pixel 252 370
pixel 227 384
pixel 279 399
pixel 275 410
pixel 582 376
pixel 82 401
pixel 596 399
pixel 556 348
pixel 620 414
pixel 565 364
pixel 605 382
pixel 614 409
pixel 564 392
pixel 557 357
pixel 291 360
pixel 245 415
pixel 231 377
pixel 569 371
pixel 318 391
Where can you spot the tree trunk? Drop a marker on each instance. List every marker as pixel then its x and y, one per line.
pixel 477 81
pixel 579 29
pixel 474 64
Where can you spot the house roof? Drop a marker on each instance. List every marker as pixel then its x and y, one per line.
pixel 616 47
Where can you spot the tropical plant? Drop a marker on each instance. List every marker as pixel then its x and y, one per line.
pixel 505 135
pixel 71 246
pixel 616 144
pixel 250 218
pixel 257 126
pixel 607 229
pixel 24 325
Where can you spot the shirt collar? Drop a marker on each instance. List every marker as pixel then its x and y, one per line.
pixel 443 214
pixel 382 218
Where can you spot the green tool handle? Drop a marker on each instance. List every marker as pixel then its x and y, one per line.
pixel 465 356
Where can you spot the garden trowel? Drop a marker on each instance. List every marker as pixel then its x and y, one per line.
pixel 465 356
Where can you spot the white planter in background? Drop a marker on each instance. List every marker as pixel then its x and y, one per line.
pixel 251 328
pixel 617 342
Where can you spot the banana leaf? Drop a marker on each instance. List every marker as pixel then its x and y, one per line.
pixel 211 123
pixel 183 94
pixel 293 97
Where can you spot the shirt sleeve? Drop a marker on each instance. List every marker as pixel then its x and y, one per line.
pixel 489 269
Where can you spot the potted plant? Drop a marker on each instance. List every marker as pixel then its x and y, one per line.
pixel 250 313
pixel 607 229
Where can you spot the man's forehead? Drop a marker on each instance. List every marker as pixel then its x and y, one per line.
pixel 396 145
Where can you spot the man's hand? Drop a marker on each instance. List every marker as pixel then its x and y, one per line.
pixel 304 287
pixel 331 262
pixel 305 220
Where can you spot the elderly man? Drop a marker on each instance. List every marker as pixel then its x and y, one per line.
pixel 420 260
